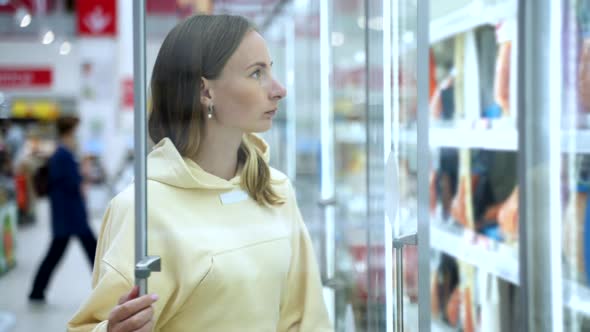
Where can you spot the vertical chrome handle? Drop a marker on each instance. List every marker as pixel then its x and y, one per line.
pixel 398 245
pixel 144 264
pixel 327 280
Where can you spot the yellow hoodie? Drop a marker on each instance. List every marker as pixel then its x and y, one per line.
pixel 226 265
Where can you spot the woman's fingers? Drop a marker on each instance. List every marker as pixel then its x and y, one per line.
pixel 147 327
pixel 132 307
pixel 130 296
pixel 137 321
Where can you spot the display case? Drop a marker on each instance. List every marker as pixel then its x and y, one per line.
pixel 378 91
pixel 572 160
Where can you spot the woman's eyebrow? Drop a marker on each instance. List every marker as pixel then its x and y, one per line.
pixel 259 63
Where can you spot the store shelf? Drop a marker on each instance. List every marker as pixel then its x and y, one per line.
pixel 576 297
pixel 489 139
pixel 503 138
pixel 500 139
pixel 470 15
pixel 489 255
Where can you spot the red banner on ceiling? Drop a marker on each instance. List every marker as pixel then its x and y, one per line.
pixel 180 8
pixel 97 18
pixel 33 6
pixel 24 78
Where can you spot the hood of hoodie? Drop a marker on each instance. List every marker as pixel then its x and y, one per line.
pixel 166 165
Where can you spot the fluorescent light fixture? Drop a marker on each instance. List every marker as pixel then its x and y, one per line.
pixel 22 17
pixel 48 37
pixel 26 21
pixel 65 48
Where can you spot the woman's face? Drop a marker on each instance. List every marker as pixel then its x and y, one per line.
pixel 246 96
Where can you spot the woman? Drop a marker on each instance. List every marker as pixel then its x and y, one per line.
pixel 235 253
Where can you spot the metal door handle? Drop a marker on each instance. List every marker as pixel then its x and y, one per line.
pixel 334 283
pixel 327 202
pixel 146 266
pixel 398 245
pixel 324 204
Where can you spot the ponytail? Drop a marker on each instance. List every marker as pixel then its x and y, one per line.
pixel 256 177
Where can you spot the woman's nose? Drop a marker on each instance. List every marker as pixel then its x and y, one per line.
pixel 278 91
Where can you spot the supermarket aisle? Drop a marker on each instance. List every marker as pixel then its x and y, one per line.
pixel 69 286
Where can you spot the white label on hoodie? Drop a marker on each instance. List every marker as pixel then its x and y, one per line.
pixel 235 196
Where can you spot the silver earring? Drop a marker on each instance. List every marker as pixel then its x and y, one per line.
pixel 210 113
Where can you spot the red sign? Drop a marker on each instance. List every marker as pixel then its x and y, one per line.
pixel 127 93
pixel 23 78
pixel 97 18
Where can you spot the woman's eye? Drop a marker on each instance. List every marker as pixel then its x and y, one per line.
pixel 256 74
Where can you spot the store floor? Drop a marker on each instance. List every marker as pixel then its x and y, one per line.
pixel 69 286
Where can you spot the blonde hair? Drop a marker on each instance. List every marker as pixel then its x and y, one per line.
pixel 256 178
pixel 200 47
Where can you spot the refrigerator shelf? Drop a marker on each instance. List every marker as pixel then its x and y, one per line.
pixel 485 253
pixel 458 137
pixel 467 15
pixel 497 139
pixel 490 139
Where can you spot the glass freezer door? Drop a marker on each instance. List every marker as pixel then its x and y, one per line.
pixel 573 180
pixel 398 155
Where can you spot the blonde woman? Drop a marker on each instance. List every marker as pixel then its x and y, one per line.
pixel 236 255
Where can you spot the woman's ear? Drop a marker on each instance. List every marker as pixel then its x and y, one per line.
pixel 206 92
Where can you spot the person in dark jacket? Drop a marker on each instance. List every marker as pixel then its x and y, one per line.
pixel 68 208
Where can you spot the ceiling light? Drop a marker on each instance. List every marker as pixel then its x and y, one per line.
pixel 48 38
pixel 25 21
pixel 22 17
pixel 65 48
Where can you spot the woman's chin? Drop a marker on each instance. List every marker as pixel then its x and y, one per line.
pixel 262 127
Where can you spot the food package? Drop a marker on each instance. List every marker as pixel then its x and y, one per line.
pixel 508 217
pixel 502 82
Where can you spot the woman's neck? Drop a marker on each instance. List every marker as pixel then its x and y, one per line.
pixel 218 154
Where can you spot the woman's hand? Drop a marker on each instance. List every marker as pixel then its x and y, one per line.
pixel 133 313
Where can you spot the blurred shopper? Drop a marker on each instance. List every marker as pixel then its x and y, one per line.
pixel 27 161
pixel 236 255
pixel 68 209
